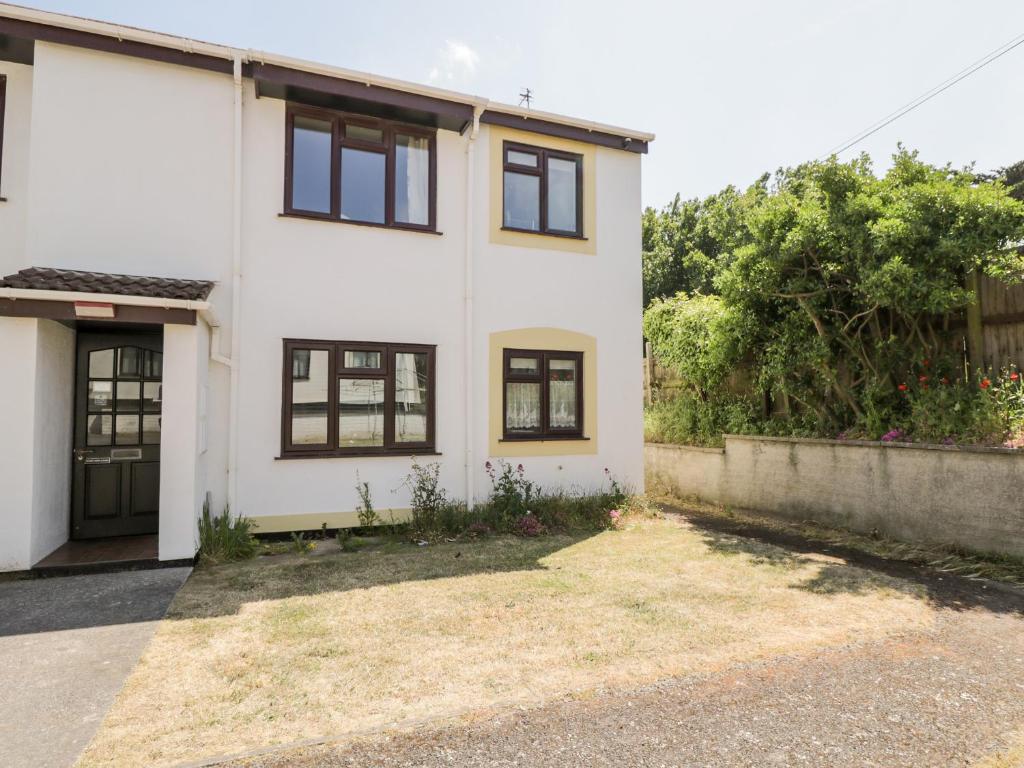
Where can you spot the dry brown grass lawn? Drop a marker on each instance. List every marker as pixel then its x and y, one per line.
pixel 280 649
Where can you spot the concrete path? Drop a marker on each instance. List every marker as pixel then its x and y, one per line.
pixel 66 647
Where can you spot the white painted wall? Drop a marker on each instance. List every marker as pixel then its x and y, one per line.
pixel 53 427
pixel 333 281
pixel 14 170
pixel 17 392
pixel 35 456
pixel 599 295
pixel 183 469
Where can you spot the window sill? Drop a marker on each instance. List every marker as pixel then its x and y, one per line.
pixel 564 236
pixel 543 439
pixel 329 220
pixel 358 454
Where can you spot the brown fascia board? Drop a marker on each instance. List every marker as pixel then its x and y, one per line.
pixel 562 131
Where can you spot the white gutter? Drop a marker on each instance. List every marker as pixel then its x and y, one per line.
pixel 468 305
pixel 236 289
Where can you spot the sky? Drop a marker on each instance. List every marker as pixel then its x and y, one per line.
pixel 732 89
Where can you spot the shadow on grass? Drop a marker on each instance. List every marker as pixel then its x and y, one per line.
pixel 860 573
pixel 221 590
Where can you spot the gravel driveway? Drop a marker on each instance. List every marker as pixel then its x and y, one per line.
pixel 942 697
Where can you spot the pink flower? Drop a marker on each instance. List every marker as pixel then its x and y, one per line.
pixel 520 469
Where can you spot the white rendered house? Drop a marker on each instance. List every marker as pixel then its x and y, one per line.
pixel 234 276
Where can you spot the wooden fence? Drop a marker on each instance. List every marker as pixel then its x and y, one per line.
pixel 1002 323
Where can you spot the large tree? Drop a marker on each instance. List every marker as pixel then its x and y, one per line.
pixel 847 278
pixel 686 243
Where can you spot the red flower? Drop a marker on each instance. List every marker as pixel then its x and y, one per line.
pixel 985 384
pixel 902 387
pixel 922 379
pixel 945 380
pixel 1014 376
pixel 926 362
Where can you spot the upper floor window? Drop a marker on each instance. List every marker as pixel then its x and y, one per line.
pixel 359 170
pixel 344 398
pixel 543 190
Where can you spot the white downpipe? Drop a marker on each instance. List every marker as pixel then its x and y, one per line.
pixel 468 320
pixel 236 290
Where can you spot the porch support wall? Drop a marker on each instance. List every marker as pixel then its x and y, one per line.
pixel 35 455
pixel 183 438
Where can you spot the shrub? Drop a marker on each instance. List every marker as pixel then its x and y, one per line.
pixel 528 525
pixel 223 538
pixel 368 516
pixel 511 492
pixel 430 503
pixel 689 419
pixel 300 544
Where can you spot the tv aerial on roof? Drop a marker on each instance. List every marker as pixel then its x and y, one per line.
pixel 525 98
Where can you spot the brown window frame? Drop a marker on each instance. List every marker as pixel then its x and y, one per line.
pixel 3 110
pixel 544 357
pixel 390 130
pixel 541 171
pixel 335 372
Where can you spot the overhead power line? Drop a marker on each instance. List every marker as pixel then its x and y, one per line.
pixel 926 96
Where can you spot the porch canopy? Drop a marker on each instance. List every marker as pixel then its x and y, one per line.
pixel 67 294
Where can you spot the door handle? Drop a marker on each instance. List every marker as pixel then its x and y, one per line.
pixel 81 453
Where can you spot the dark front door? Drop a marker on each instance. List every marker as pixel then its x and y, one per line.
pixel 118 397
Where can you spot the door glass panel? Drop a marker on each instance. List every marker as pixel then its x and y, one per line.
pixel 127 429
pixel 562 394
pixel 561 194
pixel 152 396
pixel 362 185
pixel 97 430
pixel 522 201
pixel 311 165
pixel 411 397
pixel 101 364
pixel 127 396
pixel 101 395
pixel 151 430
pixel 129 364
pixel 154 365
pixel 522 406
pixel 309 397
pixel 360 413
pixel 361 358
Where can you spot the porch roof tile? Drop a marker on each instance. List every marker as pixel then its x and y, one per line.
pixel 50 279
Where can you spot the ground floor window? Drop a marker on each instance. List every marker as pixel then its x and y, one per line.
pixel 344 398
pixel 543 394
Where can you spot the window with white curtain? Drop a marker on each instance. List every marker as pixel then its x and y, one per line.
pixel 543 394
